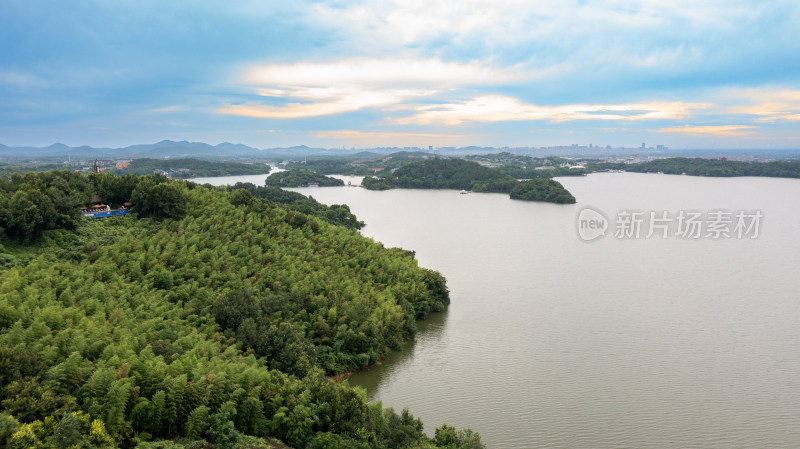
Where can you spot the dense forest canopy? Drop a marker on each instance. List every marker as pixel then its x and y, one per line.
pixel 519 172
pixel 547 190
pixel 452 174
pixel 336 213
pixel 470 176
pixel 378 183
pixel 217 323
pixel 301 178
pixel 528 167
pixel 708 167
pixel 192 168
pixel 36 202
pixel 358 164
pixel 329 167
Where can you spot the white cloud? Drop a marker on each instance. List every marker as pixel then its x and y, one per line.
pixel 381 138
pixel 501 21
pixel 331 106
pixel 22 80
pixel 781 117
pixel 495 108
pixel 167 109
pixel 543 32
pixel 433 90
pixel 369 72
pixel 317 89
pixel 769 103
pixel 715 130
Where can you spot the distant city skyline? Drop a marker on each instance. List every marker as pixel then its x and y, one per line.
pixel 390 73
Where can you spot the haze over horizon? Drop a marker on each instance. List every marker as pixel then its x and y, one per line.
pixel 334 74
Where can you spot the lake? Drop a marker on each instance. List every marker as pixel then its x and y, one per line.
pixel 552 341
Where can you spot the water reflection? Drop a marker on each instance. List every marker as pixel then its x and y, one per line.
pixel 429 333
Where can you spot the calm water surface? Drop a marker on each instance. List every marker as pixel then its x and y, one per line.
pixel 231 180
pixel 554 342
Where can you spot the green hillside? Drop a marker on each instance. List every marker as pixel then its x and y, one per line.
pixel 218 324
pixel 192 168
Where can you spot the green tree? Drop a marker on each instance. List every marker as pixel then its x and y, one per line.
pixel 158 199
pixel 197 423
pixel 242 197
pixel 450 438
pixel 8 426
pixel 28 213
pixel 114 189
pixel 67 433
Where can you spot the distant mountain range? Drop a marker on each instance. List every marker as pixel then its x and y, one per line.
pixel 59 152
pixel 172 149
pixel 163 149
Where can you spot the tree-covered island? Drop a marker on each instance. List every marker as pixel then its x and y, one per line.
pixel 464 175
pixel 207 318
pixel 301 178
pixel 541 189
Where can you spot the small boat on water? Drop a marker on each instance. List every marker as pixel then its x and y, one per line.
pixel 464 192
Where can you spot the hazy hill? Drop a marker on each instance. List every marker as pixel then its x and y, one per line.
pixel 60 152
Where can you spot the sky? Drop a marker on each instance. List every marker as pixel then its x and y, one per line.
pixel 342 74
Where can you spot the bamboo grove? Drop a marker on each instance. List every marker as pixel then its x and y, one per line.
pixel 217 326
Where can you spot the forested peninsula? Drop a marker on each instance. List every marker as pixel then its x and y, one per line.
pixel 205 318
pixel 338 214
pixel 469 176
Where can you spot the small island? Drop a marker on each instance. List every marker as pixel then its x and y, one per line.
pixel 542 189
pixel 379 183
pixel 458 174
pixel 301 178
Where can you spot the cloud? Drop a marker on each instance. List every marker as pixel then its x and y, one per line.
pixel 769 103
pixel 336 105
pixel 410 22
pixel 432 89
pixel 20 80
pixel 503 68
pixel 327 88
pixel 496 108
pixel 609 39
pixel 716 130
pixel 786 117
pixel 396 138
pixel 166 109
pixel 379 72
